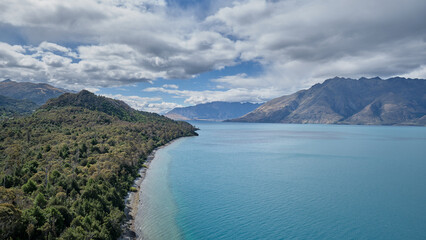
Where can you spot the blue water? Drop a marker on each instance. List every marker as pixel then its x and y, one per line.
pixel 279 181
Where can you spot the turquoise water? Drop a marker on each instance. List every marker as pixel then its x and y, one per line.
pixel 280 181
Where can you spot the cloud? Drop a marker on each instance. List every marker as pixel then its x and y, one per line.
pixel 94 66
pixel 101 43
pixel 174 86
pixel 143 5
pixel 303 42
pixel 147 104
pixel 231 95
pixel 14 62
pixel 118 42
pixel 93 90
pixel 53 47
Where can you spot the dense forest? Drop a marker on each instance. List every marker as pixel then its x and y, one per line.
pixel 10 107
pixel 65 169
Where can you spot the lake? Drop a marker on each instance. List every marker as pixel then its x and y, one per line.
pixel 287 181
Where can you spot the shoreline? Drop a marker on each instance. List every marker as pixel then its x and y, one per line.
pixel 132 200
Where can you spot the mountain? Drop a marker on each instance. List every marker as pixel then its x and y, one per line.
pixel 65 169
pixel 395 101
pixel 11 107
pixel 112 107
pixel 212 111
pixel 88 100
pixel 38 93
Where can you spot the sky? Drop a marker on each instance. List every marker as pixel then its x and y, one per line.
pixel 160 54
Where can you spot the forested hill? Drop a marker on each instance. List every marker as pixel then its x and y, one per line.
pixel 65 169
pixel 112 107
pixel 10 107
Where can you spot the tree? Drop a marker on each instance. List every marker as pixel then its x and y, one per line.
pixel 9 219
pixel 54 222
pixel 29 187
pixel 40 201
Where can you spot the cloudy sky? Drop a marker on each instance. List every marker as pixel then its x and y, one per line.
pixel 160 54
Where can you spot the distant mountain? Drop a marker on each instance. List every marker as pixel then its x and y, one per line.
pixel 11 107
pixel 38 93
pixel 212 111
pixel 348 101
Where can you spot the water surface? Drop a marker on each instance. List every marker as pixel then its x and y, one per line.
pixel 287 181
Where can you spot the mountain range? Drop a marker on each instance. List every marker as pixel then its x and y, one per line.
pixel 371 101
pixel 394 101
pixel 213 111
pixel 37 93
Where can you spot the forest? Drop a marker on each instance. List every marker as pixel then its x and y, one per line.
pixel 65 169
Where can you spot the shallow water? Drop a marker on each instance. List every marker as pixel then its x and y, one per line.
pixel 288 181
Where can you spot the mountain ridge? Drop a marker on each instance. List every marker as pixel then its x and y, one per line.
pixel 394 101
pixel 214 111
pixel 38 93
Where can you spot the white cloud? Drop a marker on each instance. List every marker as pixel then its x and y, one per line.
pixel 93 90
pixel 303 42
pixel 297 43
pixel 147 104
pixel 135 4
pixel 14 62
pixel 174 86
pixel 119 42
pixel 419 72
pixel 52 47
pixel 231 95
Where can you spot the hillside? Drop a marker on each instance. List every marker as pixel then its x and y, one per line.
pixel 10 107
pixel 348 101
pixel 215 111
pixel 38 93
pixel 65 169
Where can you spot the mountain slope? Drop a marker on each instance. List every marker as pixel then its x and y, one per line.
pixel 38 93
pixel 66 168
pixel 349 101
pixel 212 111
pixel 10 107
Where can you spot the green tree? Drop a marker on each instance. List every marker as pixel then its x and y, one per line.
pixel 54 222
pixel 9 219
pixel 29 187
pixel 40 201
